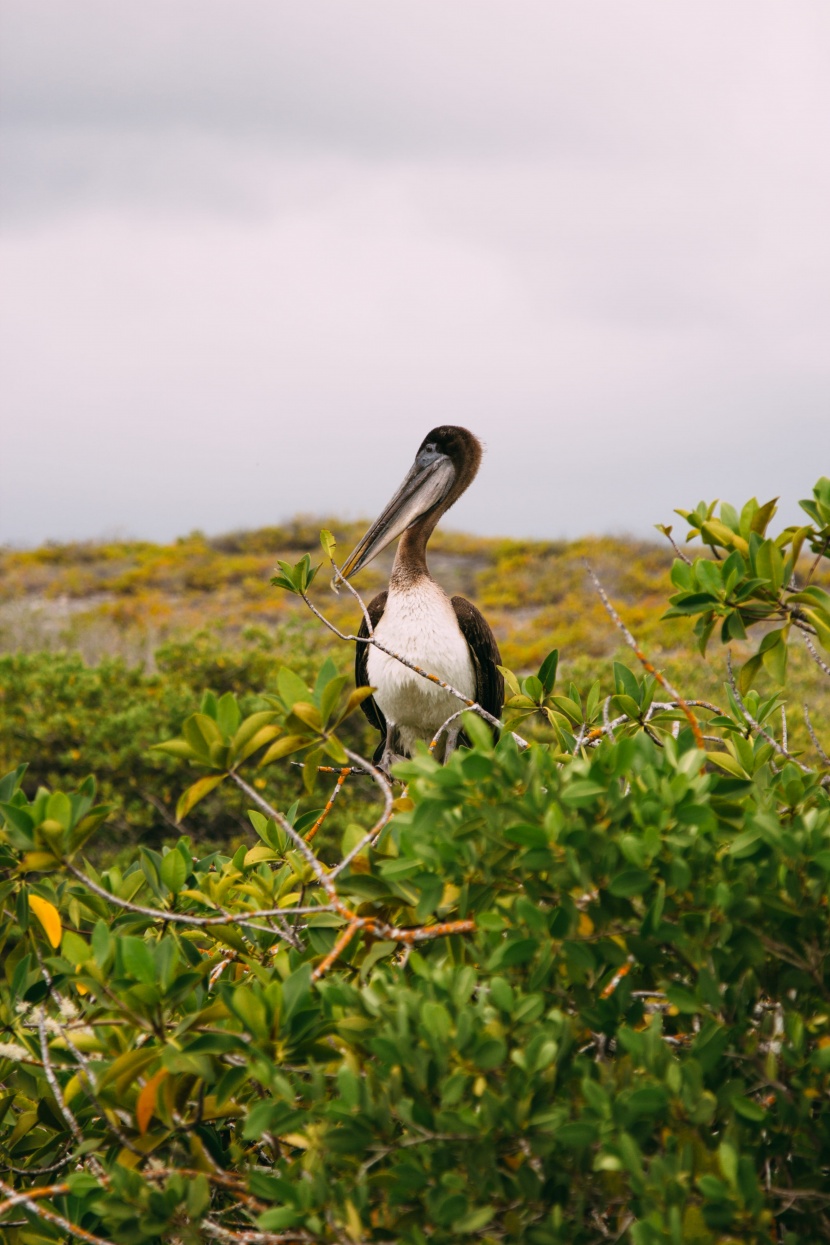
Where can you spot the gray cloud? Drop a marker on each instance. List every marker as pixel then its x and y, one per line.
pixel 251 253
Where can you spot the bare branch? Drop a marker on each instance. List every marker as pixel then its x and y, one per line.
pixel 297 839
pixel 434 741
pixel 71 1123
pixel 811 649
pixel 371 836
pixel 683 557
pixel 825 759
pixel 606 717
pixel 756 726
pixel 632 643
pixel 339 578
pixel 338 787
pixel 50 1216
pixel 247 920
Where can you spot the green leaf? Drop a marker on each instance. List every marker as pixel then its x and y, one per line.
pixel 228 715
pixel 295 990
pixel 749 1110
pixel 262 737
pixel 629 882
pixel 474 1220
pixel 137 959
pixel 291 687
pixel 547 671
pixel 191 797
pixel 749 672
pixel 202 733
pixel 176 748
pixel 173 871
pixel 726 761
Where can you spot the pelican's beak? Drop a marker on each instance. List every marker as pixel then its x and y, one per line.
pixel 424 487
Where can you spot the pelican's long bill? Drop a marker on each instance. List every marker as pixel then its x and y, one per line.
pixel 425 486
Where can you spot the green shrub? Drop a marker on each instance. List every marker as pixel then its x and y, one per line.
pixel 569 993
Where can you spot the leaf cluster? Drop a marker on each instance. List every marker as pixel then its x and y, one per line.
pixel 753 579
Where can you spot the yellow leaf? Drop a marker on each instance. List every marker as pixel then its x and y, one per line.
pixel 197 792
pixel 259 852
pixel 307 713
pixel 328 543
pixel 72 1089
pixel 283 747
pixel 146 1104
pixel 357 698
pixel 725 536
pixel 37 860
pixel 354 1228
pixel 726 761
pixel 47 914
pixel 586 925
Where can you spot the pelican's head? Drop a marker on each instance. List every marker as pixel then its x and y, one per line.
pixel 445 465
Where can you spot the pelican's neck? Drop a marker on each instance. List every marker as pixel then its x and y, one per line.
pixel 410 563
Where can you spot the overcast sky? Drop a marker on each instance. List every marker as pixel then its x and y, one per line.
pixel 252 251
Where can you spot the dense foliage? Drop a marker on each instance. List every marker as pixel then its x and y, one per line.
pixel 574 992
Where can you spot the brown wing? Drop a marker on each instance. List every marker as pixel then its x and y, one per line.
pixel 485 654
pixel 361 663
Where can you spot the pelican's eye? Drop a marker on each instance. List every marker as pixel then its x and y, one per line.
pixel 427 454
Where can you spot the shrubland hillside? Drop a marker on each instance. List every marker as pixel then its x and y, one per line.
pixel 104 646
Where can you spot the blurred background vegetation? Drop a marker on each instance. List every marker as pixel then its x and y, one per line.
pixel 105 648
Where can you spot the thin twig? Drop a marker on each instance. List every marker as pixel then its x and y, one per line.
pixel 683 557
pixel 186 918
pixel 825 759
pixel 50 1216
pixel 661 678
pixel 821 553
pixel 87 1079
pixel 339 578
pixel 372 925
pixel 41 1171
pixel 811 649
pixel 338 787
pixel 49 1190
pixel 297 839
pixel 371 836
pixel 606 717
pixel 756 726
pixel 251 1236
pixel 434 741
pixel 72 1124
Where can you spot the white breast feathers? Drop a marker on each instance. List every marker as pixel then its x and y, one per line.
pixel 419 622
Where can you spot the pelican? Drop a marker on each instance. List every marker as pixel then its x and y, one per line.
pixel 415 618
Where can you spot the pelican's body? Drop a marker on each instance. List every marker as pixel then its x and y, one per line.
pixel 419 622
pixel 416 619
